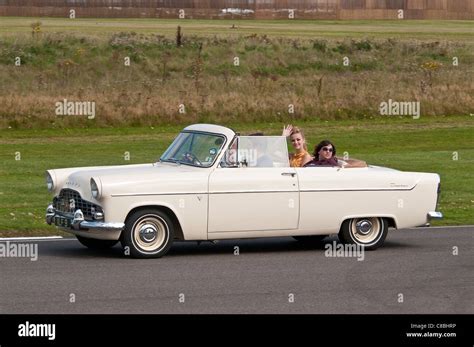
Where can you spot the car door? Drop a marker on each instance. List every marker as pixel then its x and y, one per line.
pixel 254 198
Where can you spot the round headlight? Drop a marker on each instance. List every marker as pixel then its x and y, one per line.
pixel 95 189
pixel 49 182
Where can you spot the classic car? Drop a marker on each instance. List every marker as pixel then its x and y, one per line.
pixel 212 184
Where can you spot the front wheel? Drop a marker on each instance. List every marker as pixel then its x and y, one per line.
pixel 369 232
pixel 96 244
pixel 148 234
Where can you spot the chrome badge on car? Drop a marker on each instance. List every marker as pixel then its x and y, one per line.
pixel 73 184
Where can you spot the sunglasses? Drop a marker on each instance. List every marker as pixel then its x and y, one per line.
pixel 327 149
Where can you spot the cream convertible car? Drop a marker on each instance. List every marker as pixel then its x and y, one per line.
pixel 213 184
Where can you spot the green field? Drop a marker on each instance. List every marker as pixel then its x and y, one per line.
pixel 402 143
pixel 99 27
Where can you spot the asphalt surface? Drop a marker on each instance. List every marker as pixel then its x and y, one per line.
pixel 414 272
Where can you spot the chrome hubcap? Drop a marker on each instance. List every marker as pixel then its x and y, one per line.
pixel 148 233
pixel 363 227
pixel 366 230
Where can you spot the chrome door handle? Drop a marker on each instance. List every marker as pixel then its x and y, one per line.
pixel 292 174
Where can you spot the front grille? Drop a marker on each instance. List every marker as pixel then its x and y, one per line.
pixel 69 201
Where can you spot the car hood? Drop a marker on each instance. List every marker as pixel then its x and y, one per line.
pixel 156 178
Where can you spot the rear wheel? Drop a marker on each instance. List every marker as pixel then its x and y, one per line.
pixel 369 232
pixel 148 234
pixel 96 244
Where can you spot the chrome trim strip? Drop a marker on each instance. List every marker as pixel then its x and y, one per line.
pixel 101 225
pixel 434 215
pixel 267 191
pixel 357 190
pixel 149 194
pixel 250 231
pixel 255 192
pixel 78 223
pixel 316 191
pixel 205 193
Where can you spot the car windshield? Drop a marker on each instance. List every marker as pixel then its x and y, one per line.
pixel 257 151
pixel 193 148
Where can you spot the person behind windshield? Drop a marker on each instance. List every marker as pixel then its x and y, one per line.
pixel 260 147
pixel 324 155
pixel 301 155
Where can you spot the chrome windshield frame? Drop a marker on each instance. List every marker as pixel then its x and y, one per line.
pixel 218 155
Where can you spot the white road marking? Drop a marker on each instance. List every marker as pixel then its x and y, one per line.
pixel 445 227
pixel 38 238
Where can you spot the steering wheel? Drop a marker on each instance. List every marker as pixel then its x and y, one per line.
pixel 191 158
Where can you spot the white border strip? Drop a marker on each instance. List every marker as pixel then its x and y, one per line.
pixel 38 238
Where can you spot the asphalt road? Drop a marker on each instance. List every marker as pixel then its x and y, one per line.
pixel 414 272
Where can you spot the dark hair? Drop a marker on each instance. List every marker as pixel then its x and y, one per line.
pixel 321 145
pixel 257 134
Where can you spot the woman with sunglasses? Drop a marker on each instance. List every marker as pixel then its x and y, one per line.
pixel 324 155
pixel 301 155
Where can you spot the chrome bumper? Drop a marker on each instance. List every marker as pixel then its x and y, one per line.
pixel 435 215
pixel 75 224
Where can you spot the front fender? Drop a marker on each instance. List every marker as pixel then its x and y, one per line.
pixel 190 211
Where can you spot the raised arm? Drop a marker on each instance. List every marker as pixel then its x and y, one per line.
pixel 287 130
